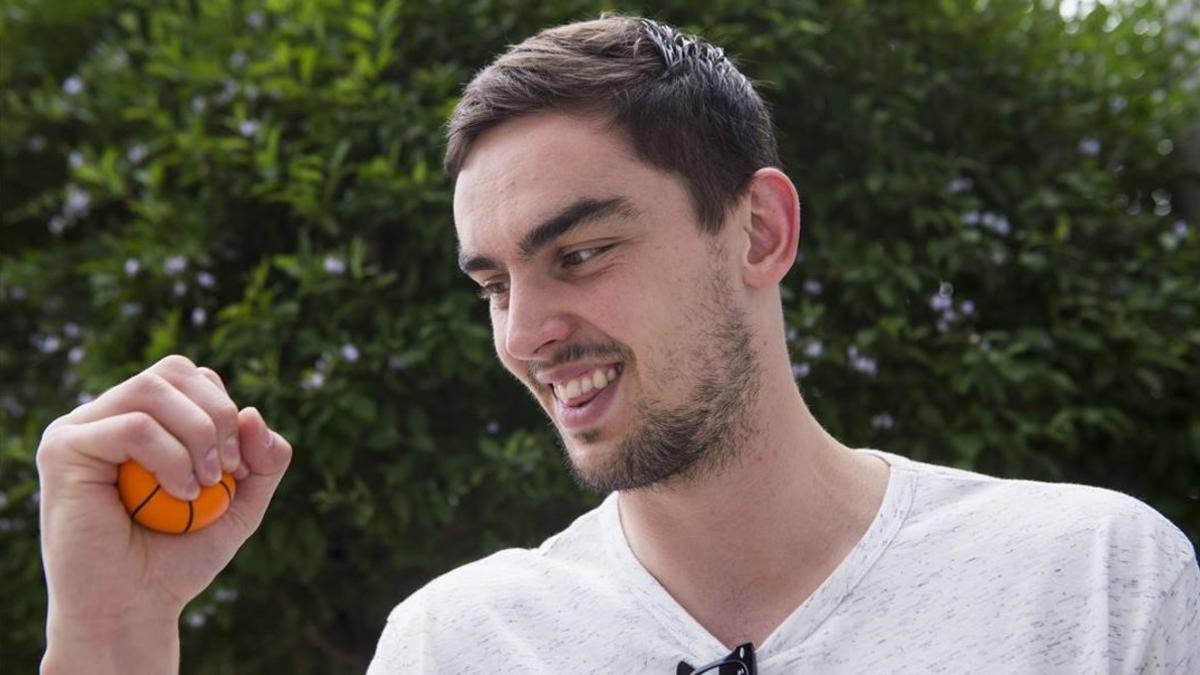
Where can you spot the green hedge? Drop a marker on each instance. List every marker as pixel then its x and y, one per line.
pixel 996 272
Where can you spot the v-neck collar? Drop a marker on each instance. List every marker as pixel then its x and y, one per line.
pixel 695 641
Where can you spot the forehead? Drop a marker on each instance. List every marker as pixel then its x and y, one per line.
pixel 525 169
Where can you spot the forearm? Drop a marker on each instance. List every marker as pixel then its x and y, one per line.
pixel 150 646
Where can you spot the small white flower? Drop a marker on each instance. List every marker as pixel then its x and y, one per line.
pixel 251 92
pixel 224 594
pixel 130 309
pixel 71 330
pixel 334 265
pixel 137 153
pixel 791 335
pixel 36 144
pixel 313 381
pixel 195 619
pixel 1089 147
pixel 971 218
pixel 883 421
pixel 78 201
pixel 1180 230
pixel 813 349
pixel 350 353
pixel 800 370
pixel 205 280
pixel 75 355
pixel 74 159
pixel 179 289
pixel 132 265
pixel 940 302
pixel 248 128
pixel 967 307
pixel 199 316
pixel 56 225
pixel 199 104
pixel 73 85
pixel 254 19
pixel 998 258
pixel 959 184
pixel 238 59
pixel 493 427
pixel 865 365
pixel 321 364
pixel 812 287
pixel 174 265
pixel 48 344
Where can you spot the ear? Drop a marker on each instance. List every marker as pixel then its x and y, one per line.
pixel 772 232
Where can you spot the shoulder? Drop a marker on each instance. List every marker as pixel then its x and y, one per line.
pixel 1043 521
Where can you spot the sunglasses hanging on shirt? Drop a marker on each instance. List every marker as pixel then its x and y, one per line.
pixel 739 662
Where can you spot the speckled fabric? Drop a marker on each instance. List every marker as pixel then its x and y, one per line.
pixel 958 573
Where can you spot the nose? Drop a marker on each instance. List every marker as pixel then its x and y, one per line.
pixel 534 321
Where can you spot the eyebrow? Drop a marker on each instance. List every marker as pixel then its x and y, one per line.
pixel 578 213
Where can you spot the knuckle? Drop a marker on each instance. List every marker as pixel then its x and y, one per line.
pixel 140 425
pixel 227 414
pixel 204 431
pixel 148 384
pixel 175 363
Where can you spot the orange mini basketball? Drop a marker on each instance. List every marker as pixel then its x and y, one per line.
pixel 152 507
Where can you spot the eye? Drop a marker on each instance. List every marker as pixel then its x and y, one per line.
pixel 494 290
pixel 576 258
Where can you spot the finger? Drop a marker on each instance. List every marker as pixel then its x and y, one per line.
pixel 216 402
pixel 149 392
pixel 213 377
pixel 110 442
pixel 266 455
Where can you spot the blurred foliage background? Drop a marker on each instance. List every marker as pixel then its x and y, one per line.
pixel 999 265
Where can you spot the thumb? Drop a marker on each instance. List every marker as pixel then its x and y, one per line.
pixel 265 457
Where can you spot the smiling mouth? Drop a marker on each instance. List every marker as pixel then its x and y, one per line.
pixel 578 391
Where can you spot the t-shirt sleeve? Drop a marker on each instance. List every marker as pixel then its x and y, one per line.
pixel 1174 645
pixel 406 644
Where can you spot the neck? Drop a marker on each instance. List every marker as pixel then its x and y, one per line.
pixel 754 540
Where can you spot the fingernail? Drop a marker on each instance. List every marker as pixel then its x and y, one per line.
pixel 231 452
pixel 191 489
pixel 212 466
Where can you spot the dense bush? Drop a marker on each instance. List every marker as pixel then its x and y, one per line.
pixel 996 273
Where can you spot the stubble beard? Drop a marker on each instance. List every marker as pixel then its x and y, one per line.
pixel 703 435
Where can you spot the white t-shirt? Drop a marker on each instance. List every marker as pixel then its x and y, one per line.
pixel 958 572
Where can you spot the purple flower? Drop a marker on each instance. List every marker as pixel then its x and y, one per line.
pixel 73 85
pixel 205 280
pixel 883 421
pixel 800 370
pixel 812 287
pixel 132 265
pixel 76 354
pixel 334 265
pixel 174 265
pixel 248 128
pixel 313 381
pixel 813 349
pixel 199 316
pixel 350 353
pixel 493 427
pixel 1089 147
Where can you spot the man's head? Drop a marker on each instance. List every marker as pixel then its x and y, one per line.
pixel 679 101
pixel 600 230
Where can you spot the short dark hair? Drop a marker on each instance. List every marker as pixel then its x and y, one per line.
pixel 684 106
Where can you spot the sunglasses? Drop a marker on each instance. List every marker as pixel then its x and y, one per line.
pixel 740 661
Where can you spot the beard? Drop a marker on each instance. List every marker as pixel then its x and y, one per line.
pixel 705 433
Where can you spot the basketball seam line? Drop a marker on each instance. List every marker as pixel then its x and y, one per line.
pixel 145 501
pixel 191 514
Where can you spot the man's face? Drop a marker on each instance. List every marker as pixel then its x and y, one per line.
pixel 606 300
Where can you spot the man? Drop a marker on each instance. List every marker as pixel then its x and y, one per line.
pixel 618 204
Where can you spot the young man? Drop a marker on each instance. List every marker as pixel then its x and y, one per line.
pixel 617 202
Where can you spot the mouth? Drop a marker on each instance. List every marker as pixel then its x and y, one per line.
pixel 582 400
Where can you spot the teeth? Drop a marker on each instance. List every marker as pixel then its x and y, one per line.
pixel 597 379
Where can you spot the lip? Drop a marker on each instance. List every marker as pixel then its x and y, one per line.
pixel 589 414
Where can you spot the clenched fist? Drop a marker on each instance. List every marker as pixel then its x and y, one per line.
pixel 117 589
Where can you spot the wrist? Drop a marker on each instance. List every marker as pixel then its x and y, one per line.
pixel 125 645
